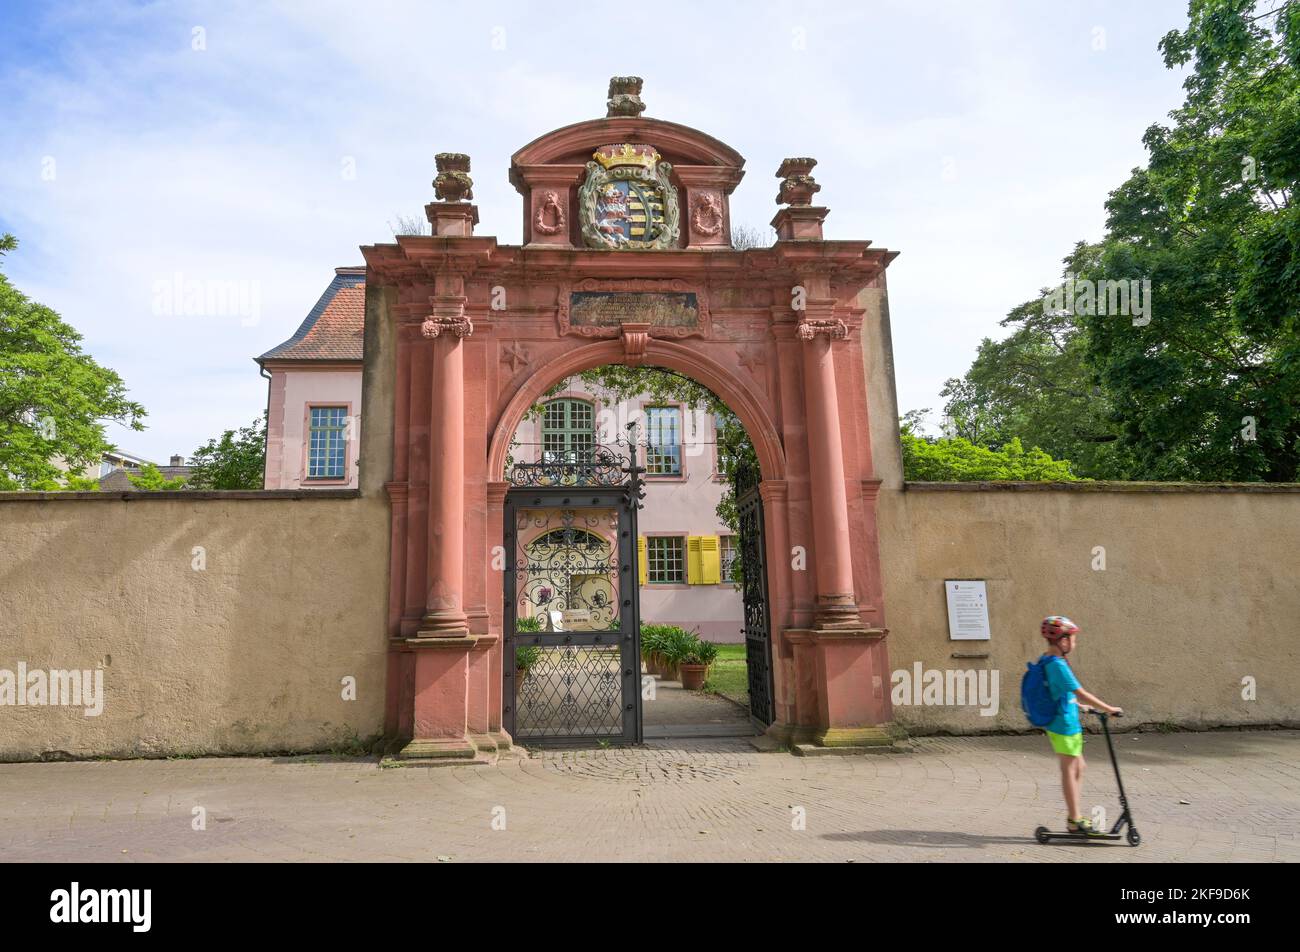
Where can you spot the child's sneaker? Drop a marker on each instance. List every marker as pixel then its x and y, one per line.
pixel 1083 825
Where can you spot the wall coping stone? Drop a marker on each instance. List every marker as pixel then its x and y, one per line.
pixel 181 494
pixel 1101 486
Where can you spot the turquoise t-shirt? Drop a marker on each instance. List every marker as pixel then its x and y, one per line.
pixel 1062 684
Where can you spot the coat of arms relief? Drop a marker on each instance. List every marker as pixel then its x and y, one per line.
pixel 627 202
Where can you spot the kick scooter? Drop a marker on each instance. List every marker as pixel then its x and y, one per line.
pixel 1044 835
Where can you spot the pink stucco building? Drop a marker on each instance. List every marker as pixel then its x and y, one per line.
pixel 685 551
pixel 314 400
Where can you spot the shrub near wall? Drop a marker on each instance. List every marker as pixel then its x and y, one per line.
pixel 221 623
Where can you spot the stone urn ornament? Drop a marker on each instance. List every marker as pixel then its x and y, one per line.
pixel 797 186
pixel 624 97
pixel 453 183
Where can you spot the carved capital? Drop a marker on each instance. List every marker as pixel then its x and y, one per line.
pixel 834 329
pixel 436 326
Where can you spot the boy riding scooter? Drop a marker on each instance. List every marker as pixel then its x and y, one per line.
pixel 1050 695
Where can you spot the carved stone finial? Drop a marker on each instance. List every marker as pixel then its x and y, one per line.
pixel 453 183
pixel 624 97
pixel 798 186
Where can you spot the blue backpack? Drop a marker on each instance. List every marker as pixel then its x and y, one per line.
pixel 1035 698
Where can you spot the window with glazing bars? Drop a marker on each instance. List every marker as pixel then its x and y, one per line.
pixel 727 553
pixel 666 559
pixel 327 443
pixel 568 431
pixel 663 455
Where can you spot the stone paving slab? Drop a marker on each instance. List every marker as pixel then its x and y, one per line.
pixel 952 799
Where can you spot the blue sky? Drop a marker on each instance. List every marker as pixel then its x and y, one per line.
pixel 258 145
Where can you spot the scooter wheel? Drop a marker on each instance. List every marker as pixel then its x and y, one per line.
pixel 1040 834
pixel 1134 837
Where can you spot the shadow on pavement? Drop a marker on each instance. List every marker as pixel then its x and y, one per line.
pixel 937 839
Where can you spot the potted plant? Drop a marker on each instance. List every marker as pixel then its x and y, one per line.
pixel 694 665
pixel 654 639
pixel 677 646
pixel 526 655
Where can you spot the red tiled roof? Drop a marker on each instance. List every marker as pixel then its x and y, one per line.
pixel 335 328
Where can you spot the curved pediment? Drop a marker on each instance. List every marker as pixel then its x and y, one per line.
pixel 626 182
pixel 678 144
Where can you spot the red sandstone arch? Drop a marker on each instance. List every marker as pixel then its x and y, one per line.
pixel 465 369
pixel 738 397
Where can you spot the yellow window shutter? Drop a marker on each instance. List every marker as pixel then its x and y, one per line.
pixel 642 563
pixel 710 560
pixel 693 570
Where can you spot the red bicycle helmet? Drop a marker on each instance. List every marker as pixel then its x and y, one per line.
pixel 1058 626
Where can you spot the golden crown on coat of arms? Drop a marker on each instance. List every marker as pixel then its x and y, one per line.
pixel 627 154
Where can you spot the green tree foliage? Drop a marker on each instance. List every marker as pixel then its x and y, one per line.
pixel 71 483
pixel 54 398
pixel 237 460
pixel 1209 387
pixel 1212 222
pixel 151 479
pixel 956 459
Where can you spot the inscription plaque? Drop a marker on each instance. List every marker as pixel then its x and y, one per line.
pixel 611 308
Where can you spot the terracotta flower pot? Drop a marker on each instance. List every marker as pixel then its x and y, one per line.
pixel 693 676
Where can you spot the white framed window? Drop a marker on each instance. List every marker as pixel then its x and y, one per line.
pixel 663 441
pixel 666 559
pixel 327 442
pixel 568 431
pixel 728 552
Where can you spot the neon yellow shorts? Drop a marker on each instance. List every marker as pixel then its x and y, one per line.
pixel 1069 744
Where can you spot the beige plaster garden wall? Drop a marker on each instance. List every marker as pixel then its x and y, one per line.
pixel 243 655
pixel 247 654
pixel 1200 590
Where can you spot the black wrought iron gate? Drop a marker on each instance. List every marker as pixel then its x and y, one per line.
pixel 572 668
pixel 753 569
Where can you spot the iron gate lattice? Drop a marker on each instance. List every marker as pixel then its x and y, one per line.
pixel 570 537
pixel 753 570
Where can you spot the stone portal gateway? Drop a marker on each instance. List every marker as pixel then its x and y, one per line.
pixel 627 259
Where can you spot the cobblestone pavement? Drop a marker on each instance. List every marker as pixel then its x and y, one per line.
pixel 951 799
